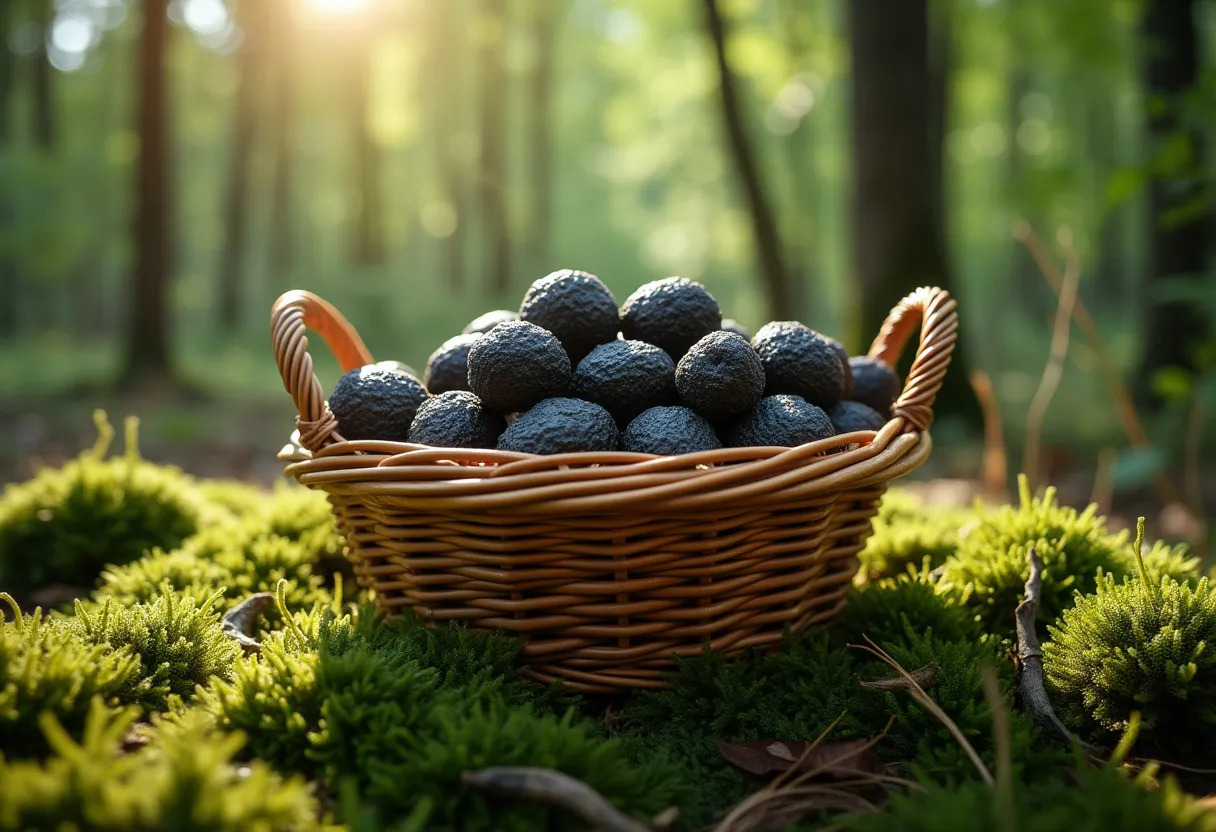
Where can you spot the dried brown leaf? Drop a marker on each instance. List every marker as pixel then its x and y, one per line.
pixel 839 759
pixel 926 677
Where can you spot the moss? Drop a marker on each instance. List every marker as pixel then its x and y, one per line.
pixel 182 780
pixel 66 523
pixel 890 609
pixel 909 535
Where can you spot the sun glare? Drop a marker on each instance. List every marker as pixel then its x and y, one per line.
pixel 338 6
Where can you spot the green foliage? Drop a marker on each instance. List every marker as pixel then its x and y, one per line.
pixel 184 780
pixel 907 533
pixel 1142 645
pixel 893 609
pixel 66 523
pixel 46 668
pixel 178 642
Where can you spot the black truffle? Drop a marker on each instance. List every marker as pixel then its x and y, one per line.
pixel 667 431
pixel 844 363
pixel 731 325
pixel 874 383
pixel 576 307
pixel 456 419
pixel 673 314
pixel 487 321
pixel 799 360
pixel 516 364
pixel 720 376
pixel 850 416
pixel 783 420
pixel 625 378
pixel 560 426
pixel 377 401
pixel 448 367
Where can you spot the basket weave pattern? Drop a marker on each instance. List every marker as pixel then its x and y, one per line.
pixel 607 564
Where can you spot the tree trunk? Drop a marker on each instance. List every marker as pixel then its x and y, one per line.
pixel 1176 249
pixel 250 65
pixel 443 76
pixel 802 225
pixel 369 221
pixel 8 276
pixel 764 227
pixel 898 118
pixel 281 244
pixel 492 107
pixel 42 95
pixel 542 135
pixel 147 336
pixel 7 67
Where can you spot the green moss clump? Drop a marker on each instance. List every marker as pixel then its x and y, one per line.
pixel 66 523
pixel 182 780
pixel 910 536
pixel 178 642
pixel 892 610
pixel 46 668
pixel 1143 645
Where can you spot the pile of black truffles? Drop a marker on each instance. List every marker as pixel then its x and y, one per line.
pixel 663 373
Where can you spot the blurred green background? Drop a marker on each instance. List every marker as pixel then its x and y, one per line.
pixel 168 168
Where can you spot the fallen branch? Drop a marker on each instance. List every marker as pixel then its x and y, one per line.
pixel 238 622
pixel 994 470
pixel 925 676
pixel 561 790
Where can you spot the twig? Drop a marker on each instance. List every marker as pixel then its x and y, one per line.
pixel 1004 749
pixel 1129 417
pixel 238 622
pixel 1054 370
pixel 1104 480
pixel 1030 654
pixel 925 676
pixel 556 789
pixel 995 467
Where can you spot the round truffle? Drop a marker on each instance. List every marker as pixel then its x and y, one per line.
pixel 377 401
pixel 576 307
pixel 625 378
pixel 800 361
pixel 782 420
pixel 874 383
pixel 448 367
pixel 843 354
pixel 720 376
pixel 667 431
pixel 731 325
pixel 485 322
pixel 456 419
pixel 516 364
pixel 561 426
pixel 673 314
pixel 850 416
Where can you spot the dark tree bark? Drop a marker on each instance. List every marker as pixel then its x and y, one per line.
pixel 152 228
pixel 542 133
pixel 250 67
pixel 492 108
pixel 281 244
pixel 1178 249
pixel 777 284
pixel 443 83
pixel 369 222
pixel 800 228
pixel 42 92
pixel 900 69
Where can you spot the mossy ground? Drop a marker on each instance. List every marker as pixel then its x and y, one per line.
pixel 134 711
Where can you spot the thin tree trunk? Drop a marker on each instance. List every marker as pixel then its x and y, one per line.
pixel 764 227
pixel 281 244
pixel 542 134
pixel 1176 249
pixel 801 228
pixel 7 67
pixel 8 276
pixel 369 222
pixel 445 73
pixel 492 107
pixel 250 63
pixel 147 336
pixel 42 95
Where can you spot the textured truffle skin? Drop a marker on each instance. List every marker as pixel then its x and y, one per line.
pixel 576 307
pixel 487 321
pixel 800 361
pixel 377 401
pixel 673 314
pixel 844 364
pixel 874 384
pixel 782 420
pixel 515 365
pixel 456 419
pixel 625 378
pixel 561 426
pixel 720 376
pixel 731 325
pixel 668 431
pixel 850 416
pixel 448 367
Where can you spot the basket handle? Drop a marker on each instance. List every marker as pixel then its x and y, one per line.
pixel 936 314
pixel 292 315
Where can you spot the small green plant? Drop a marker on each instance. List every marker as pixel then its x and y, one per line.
pixel 910 536
pixel 892 610
pixel 66 523
pixel 184 779
pixel 177 640
pixel 1140 645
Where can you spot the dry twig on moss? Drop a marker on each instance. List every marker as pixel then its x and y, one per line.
pixel 238 622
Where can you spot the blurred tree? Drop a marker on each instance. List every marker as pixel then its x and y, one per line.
pixel 1177 244
pixel 42 93
pixel 369 218
pixel 281 60
pixel 543 16
pixel 492 94
pixel 7 15
pixel 898 113
pixel 147 343
pixel 443 80
pixel 773 271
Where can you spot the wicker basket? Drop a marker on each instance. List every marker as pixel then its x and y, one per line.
pixel 609 564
